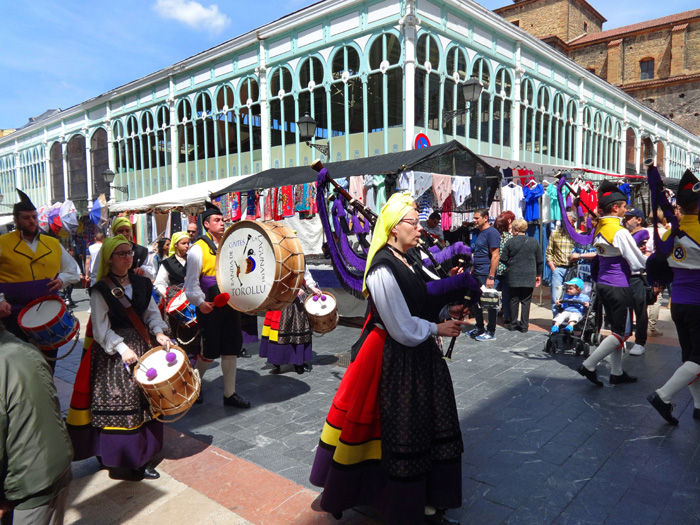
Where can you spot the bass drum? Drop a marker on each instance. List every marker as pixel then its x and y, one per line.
pixel 260 265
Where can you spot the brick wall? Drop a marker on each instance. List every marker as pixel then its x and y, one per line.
pixel 680 103
pixel 542 19
pixel 577 17
pixel 593 57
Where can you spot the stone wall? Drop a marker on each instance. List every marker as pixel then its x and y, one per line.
pixel 541 19
pixel 679 102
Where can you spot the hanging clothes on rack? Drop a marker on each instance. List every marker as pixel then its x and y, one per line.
pixel 512 198
pixel 531 197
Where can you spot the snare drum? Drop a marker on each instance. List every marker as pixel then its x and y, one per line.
pixel 180 309
pixel 260 265
pixel 48 323
pixel 159 300
pixel 175 386
pixel 322 312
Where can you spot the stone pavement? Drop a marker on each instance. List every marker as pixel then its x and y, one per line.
pixel 542 444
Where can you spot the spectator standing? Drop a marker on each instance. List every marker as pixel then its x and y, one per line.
pixel 485 256
pixel 522 257
pixel 503 224
pixel 433 228
pixel 559 249
pixel 638 281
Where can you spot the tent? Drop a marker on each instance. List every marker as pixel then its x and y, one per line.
pixel 195 194
pixel 451 158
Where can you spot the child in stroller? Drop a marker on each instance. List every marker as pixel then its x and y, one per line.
pixel 574 309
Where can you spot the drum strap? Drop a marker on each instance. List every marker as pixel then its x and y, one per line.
pixel 118 293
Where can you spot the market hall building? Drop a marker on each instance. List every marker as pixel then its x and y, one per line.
pixel 373 74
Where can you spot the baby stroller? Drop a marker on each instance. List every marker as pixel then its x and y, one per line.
pixel 585 331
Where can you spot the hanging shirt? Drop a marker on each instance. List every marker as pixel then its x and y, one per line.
pixel 379 191
pixel 511 198
pixel 357 189
pixel 405 182
pixel 422 182
pixel 368 183
pixel 442 187
pixel 531 197
pixel 461 189
pixel 554 209
pixel 424 208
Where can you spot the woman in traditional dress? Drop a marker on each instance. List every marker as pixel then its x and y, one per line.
pixel 287 333
pixel 126 436
pixel 169 283
pixel 392 438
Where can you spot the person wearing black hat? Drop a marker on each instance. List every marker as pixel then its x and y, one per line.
pixel 618 258
pixel 221 326
pixel 684 259
pixel 32 265
pixel 638 281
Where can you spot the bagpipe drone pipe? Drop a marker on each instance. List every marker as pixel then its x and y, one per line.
pixel 349 263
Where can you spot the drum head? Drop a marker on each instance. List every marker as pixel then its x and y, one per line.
pixel 41 313
pixel 165 370
pixel 252 259
pixel 176 301
pixel 321 306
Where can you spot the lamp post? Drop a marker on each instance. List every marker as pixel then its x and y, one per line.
pixel 696 165
pixel 307 129
pixel 471 91
pixel 108 177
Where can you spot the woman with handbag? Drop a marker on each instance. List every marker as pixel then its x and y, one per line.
pixel 522 256
pixel 124 315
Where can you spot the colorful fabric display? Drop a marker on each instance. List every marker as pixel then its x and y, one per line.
pixel 235 206
pixel 286 201
pixel 252 206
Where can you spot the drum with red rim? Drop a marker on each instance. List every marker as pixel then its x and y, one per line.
pixel 180 309
pixel 48 323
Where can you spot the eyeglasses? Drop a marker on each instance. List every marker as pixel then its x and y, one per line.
pixel 192 232
pixel 129 253
pixel 413 222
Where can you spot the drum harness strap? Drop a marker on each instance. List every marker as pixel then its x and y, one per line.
pixel 210 243
pixel 118 293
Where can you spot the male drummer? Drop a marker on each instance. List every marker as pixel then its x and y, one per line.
pixel 32 265
pixel 221 326
pixel 140 266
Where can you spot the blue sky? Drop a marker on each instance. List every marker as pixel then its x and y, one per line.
pixel 58 54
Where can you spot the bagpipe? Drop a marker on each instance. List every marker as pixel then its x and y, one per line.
pixel 349 216
pixel 658 270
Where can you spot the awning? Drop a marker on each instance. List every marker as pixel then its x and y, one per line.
pixel 179 197
pixel 6 219
pixel 451 158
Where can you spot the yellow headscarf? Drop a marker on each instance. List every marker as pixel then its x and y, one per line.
pixel 398 205
pixel 108 247
pixel 176 238
pixel 119 222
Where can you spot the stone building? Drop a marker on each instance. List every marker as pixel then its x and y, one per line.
pixel 657 61
pixel 373 74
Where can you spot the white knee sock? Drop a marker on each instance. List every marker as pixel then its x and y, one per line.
pixel 228 367
pixel 686 374
pixel 616 361
pixel 695 391
pixel 607 347
pixel 202 365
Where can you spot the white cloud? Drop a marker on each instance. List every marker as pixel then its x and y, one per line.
pixel 193 14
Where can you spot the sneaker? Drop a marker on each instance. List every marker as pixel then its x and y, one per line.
pixel 637 350
pixel 654 333
pixel 486 336
pixel 476 332
pixel 569 329
pixel 555 329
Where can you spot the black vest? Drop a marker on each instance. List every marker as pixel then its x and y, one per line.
pixel 411 284
pixel 176 271
pixel 142 289
pixel 140 256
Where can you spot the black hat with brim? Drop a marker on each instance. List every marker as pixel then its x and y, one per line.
pixel 24 204
pixel 209 211
pixel 609 193
pixel 685 194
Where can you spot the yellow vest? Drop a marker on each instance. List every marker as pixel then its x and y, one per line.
pixel 208 260
pixel 18 264
pixel 608 227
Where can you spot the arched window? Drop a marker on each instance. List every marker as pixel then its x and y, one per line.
pixel 346 91
pixel 480 110
pixel 249 121
pixel 427 82
pixel 312 98
pixel 119 144
pixel 133 144
pixel 204 129
pixel 227 129
pixel 571 124
pixel 99 153
pixel 282 115
pixel 77 168
pixel 453 100
pixel 543 124
pixel 630 151
pixel 502 107
pixel 527 116
pixel 385 86
pixel 587 137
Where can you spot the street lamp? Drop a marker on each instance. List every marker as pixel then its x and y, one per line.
pixel 471 91
pixel 108 177
pixel 307 129
pixel 696 165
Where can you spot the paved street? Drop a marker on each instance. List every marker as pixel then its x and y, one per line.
pixel 542 444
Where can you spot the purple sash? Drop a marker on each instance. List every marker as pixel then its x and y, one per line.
pixel 205 283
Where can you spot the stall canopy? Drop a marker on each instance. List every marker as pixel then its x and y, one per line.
pixel 451 158
pixel 191 195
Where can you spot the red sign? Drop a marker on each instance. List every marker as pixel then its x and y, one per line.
pixel 422 141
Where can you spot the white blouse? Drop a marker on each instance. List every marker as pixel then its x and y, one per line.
pixel 102 331
pixel 403 327
pixel 163 278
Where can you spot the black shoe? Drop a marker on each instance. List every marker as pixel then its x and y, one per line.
pixel 665 410
pixel 476 332
pixel 523 328
pixel 244 353
pixel 308 367
pixel 200 398
pixel 276 369
pixel 696 413
pixel 439 518
pixel 149 472
pixel 299 369
pixel 513 326
pixel 234 400
pixel 591 375
pixel 621 379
